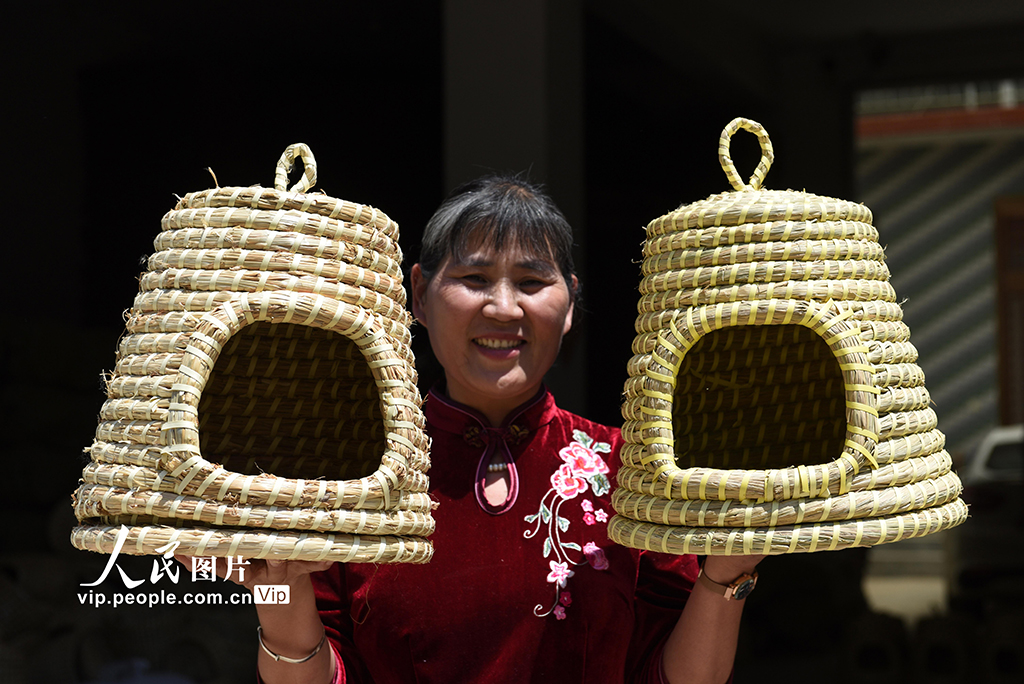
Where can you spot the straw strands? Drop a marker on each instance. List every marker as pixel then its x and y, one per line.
pixel 774 404
pixel 263 401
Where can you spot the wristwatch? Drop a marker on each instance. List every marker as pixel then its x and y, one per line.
pixel 739 589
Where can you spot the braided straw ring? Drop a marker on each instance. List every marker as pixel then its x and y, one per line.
pixel 192 474
pixel 871 503
pixel 806 538
pixel 287 163
pixel 767 154
pixel 278 544
pixel 682 334
pixel 96 500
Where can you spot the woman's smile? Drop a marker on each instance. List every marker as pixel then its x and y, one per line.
pixel 496 320
pixel 499 348
pixel 494 343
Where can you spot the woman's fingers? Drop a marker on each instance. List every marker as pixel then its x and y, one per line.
pixel 258 571
pixel 283 572
pixel 218 567
pixel 724 569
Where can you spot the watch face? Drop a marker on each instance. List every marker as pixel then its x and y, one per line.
pixel 744 588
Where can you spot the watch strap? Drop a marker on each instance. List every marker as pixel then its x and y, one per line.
pixel 728 591
pixel 720 589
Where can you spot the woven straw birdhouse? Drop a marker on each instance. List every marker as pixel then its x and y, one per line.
pixel 774 404
pixel 263 402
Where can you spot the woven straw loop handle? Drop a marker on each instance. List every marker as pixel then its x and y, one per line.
pixel 767 154
pixel 287 163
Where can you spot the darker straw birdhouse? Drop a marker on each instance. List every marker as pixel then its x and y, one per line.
pixel 774 403
pixel 264 400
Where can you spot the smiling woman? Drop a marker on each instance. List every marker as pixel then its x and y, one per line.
pixel 525 584
pixel 495 288
pixel 496 320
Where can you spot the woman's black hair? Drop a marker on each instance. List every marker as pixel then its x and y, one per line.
pixel 504 209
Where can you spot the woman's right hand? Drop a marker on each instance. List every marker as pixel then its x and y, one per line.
pixel 290 629
pixel 263 572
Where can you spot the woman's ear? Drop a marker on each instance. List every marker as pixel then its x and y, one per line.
pixel 418 286
pixel 572 305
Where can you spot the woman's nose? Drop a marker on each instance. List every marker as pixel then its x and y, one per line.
pixel 503 303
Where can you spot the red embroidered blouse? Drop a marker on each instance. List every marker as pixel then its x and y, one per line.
pixel 530 592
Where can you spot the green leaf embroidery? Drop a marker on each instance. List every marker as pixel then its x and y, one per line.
pixel 582 437
pixel 545 513
pixel 547 547
pixel 600 484
pixel 563 523
pixel 530 518
pixel 602 447
pixel 571 545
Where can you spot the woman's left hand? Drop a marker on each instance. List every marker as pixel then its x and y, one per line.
pixel 725 569
pixel 702 646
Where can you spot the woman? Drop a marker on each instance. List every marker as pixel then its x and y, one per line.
pixel 524 584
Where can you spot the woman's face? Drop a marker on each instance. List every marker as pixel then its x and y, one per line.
pixel 496 321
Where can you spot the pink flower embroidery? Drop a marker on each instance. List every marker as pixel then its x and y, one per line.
pixel 583 461
pixel 560 572
pixel 583 470
pixel 566 482
pixel 595 556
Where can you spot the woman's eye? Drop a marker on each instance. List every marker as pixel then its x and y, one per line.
pixel 474 279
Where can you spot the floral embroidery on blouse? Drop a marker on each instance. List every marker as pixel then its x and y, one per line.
pixel 582 470
pixel 560 573
pixel 595 556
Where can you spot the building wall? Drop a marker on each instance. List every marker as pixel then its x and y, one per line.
pixel 933 197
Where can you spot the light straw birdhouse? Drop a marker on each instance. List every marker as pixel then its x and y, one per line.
pixel 263 402
pixel 774 404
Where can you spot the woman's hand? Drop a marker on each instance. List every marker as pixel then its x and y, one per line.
pixel 725 569
pixel 291 629
pixel 702 646
pixel 267 571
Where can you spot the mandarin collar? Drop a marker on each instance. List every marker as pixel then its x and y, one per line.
pixel 449 415
pixel 491 443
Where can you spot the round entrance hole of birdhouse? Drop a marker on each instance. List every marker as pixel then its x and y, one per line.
pixel 759 397
pixel 293 401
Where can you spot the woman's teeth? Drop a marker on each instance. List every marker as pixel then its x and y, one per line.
pixel 497 344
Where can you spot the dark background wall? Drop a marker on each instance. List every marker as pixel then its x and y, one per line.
pixel 110 109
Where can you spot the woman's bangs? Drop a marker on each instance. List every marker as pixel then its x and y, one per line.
pixel 536 240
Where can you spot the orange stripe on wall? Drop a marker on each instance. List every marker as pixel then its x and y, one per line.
pixel 937 121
